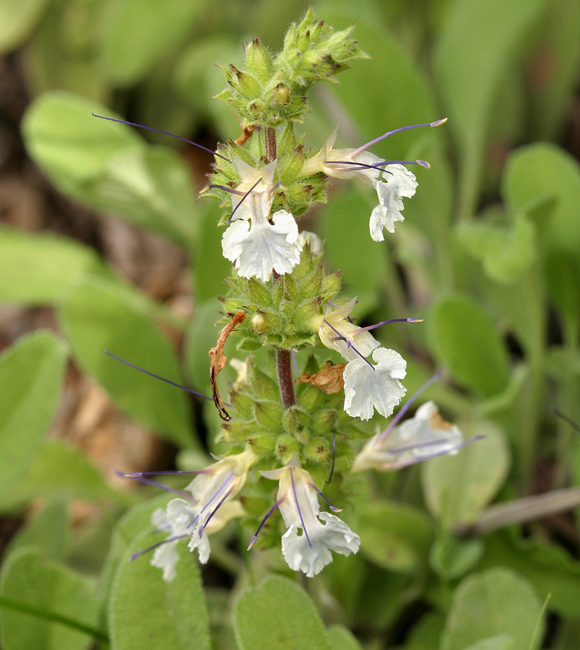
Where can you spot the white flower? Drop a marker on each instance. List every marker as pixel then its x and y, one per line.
pixel 367 386
pixel 399 182
pixel 423 436
pixel 338 333
pixel 258 247
pixel 308 551
pixel 313 241
pixel 392 182
pixel 260 181
pixel 209 510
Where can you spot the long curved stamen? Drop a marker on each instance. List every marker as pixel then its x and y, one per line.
pixel 403 128
pixel 268 514
pixel 387 322
pixel 150 128
pixel 225 188
pixel 152 548
pixel 407 405
pixel 356 165
pixel 333 456
pixel 244 198
pixel 148 481
pixel 298 507
pixel 349 345
pixel 167 381
pixel 207 505
pixel 443 452
pixel 333 508
pixel 219 505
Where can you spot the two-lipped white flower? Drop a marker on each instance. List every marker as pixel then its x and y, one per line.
pixel 256 243
pixel 423 436
pixel 311 534
pixel 368 387
pixel 209 509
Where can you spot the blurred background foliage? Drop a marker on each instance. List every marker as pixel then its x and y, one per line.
pixel 104 245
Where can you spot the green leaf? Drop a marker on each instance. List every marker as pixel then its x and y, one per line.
pixel 278 615
pixel 457 488
pixel 29 272
pixel 97 317
pixel 499 642
pixel 452 558
pixel 60 470
pixel 47 532
pixel 146 612
pixel 107 166
pixel 468 78
pixel 31 373
pixel 548 567
pixel 348 244
pixel 468 344
pixel 394 535
pixel 426 634
pixel 554 67
pixel 494 602
pixel 341 638
pixel 17 20
pixel 43 585
pixel 506 252
pixel 139 32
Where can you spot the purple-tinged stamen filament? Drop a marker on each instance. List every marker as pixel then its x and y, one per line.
pixel 387 322
pixel 268 515
pixel 172 471
pixel 407 405
pixel 333 456
pixel 333 508
pixel 356 165
pixel 167 381
pixel 148 481
pixel 214 497
pixel 442 452
pixel 219 505
pixel 152 548
pixel 349 345
pixel 298 507
pixel 403 128
pixel 150 128
pixel 244 198
pixel 225 188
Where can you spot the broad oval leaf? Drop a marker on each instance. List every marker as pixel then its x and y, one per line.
pixel 146 612
pixel 17 20
pixel 31 373
pixel 341 638
pixel 498 601
pixel 457 488
pixel 97 317
pixel 29 578
pixel 278 615
pixel 469 345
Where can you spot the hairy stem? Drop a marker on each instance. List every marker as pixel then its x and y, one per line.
pixel 270 142
pixel 285 378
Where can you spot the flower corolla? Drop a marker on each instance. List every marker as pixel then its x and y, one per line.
pixel 311 534
pixel 423 436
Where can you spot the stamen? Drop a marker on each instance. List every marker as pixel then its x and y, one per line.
pixel 383 163
pixel 403 128
pixel 189 390
pixel 225 188
pixel 333 508
pixel 268 514
pixel 333 455
pixel 298 507
pixel 443 452
pixel 148 481
pixel 152 548
pixel 219 505
pixel 349 345
pixel 222 486
pixel 407 405
pixel 386 322
pixel 244 198
pixel 150 128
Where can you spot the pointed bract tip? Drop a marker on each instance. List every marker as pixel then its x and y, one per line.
pixel 423 163
pixel 439 122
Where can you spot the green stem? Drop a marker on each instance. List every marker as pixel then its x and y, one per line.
pixel 26 608
pixel 270 143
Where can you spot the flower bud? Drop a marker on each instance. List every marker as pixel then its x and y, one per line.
pixel 248 85
pixel 282 93
pixel 258 61
pixel 286 446
pixel 268 414
pixel 262 444
pixel 324 420
pixel 259 323
pixel 295 421
pixel 317 449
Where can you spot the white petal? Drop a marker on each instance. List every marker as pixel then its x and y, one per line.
pixel 366 387
pixel 165 558
pixel 258 248
pixel 399 182
pixel 201 544
pixel 313 239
